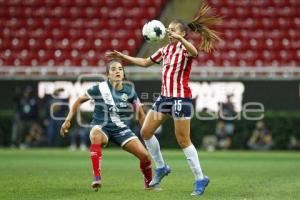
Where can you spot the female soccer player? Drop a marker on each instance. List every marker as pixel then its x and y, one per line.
pixel 114 102
pixel 175 99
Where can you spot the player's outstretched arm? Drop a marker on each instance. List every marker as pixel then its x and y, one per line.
pixel 67 123
pixel 142 62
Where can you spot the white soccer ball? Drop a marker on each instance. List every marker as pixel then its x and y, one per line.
pixel 154 31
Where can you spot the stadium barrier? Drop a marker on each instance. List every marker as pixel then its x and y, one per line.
pixel 282 125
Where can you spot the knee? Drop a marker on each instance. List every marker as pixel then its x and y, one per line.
pixel 96 138
pixel 146 135
pixel 183 143
pixel 145 156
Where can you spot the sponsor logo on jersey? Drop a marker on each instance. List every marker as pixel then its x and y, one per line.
pixel 123 105
pixel 107 98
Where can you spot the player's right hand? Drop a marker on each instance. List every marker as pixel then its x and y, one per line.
pixel 113 55
pixel 65 128
pixel 173 35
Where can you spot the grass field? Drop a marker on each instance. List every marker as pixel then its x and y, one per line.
pixel 61 174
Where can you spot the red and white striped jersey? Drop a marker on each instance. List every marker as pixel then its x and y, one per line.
pixel 177 66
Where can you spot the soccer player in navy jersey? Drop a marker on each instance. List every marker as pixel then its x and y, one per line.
pixel 114 101
pixel 175 99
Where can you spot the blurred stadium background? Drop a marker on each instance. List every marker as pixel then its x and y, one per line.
pixel 48 48
pixel 45 45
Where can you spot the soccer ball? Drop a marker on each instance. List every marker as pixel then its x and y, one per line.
pixel 154 31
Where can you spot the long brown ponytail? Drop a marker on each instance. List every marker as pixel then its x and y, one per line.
pixel 202 24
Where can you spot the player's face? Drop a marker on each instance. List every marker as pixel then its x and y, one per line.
pixel 175 27
pixel 116 72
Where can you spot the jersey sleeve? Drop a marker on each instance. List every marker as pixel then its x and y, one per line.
pixel 93 92
pixel 185 53
pixel 157 56
pixel 135 101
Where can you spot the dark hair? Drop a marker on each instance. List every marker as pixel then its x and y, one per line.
pixel 202 24
pixel 182 25
pixel 112 62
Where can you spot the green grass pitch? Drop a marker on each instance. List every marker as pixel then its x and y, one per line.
pixel 62 174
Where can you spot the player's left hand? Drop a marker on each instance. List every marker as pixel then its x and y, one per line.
pixel 174 35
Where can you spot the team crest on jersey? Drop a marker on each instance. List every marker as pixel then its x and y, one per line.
pixel 124 97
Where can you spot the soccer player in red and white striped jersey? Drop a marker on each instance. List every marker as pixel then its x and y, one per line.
pixel 175 99
pixel 177 64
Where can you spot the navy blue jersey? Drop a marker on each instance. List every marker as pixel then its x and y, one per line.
pixel 113 108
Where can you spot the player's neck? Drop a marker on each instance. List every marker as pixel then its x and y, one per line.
pixel 117 85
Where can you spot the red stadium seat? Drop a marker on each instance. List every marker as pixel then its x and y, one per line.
pixel 264 27
pixel 259 33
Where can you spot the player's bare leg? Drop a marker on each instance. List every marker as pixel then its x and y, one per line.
pixel 182 132
pixel 97 140
pixel 136 148
pixel 152 122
